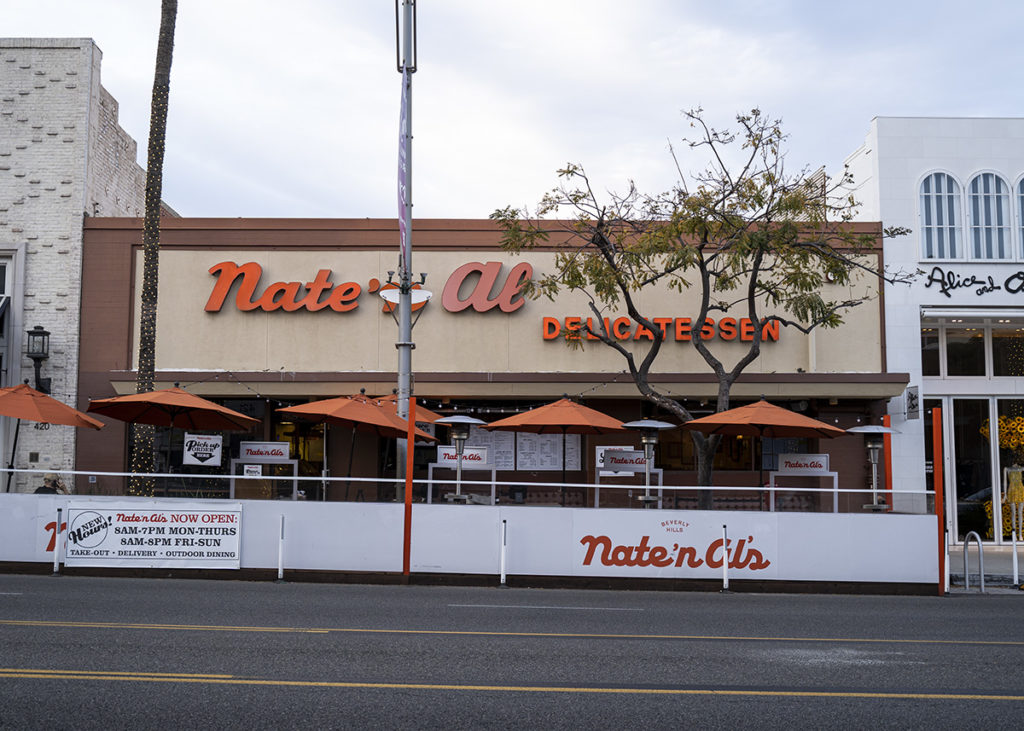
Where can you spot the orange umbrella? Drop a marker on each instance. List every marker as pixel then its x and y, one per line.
pixel 564 416
pixel 357 412
pixel 22 402
pixel 763 419
pixel 173 407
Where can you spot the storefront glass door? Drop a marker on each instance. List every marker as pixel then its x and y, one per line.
pixel 972 466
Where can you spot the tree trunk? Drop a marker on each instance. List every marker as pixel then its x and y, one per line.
pixel 704 451
pixel 142 434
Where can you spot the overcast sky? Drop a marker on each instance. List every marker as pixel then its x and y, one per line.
pixel 291 108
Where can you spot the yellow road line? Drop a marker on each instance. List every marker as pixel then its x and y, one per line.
pixel 230 680
pixel 482 633
pixel 114 674
pixel 136 625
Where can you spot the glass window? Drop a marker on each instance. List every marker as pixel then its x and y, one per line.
pixel 1011 460
pixel 930 351
pixel 1020 211
pixel 940 216
pixel 988 217
pixel 965 351
pixel 1008 352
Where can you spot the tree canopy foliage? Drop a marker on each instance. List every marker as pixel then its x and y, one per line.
pixel 742 232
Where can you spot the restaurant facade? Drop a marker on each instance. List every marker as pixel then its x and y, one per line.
pixel 265 313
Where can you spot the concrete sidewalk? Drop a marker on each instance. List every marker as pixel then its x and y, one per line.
pixel 998 566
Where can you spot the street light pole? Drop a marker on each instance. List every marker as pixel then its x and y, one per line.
pixel 407 67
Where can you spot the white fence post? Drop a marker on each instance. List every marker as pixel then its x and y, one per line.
pixel 56 546
pixel 280 552
pixel 725 559
pixel 504 543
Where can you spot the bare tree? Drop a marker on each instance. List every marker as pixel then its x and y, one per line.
pixel 742 232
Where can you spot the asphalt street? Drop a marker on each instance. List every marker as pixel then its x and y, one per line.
pixel 89 652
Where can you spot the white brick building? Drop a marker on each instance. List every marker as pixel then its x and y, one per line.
pixel 62 156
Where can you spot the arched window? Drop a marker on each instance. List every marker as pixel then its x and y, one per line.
pixel 988 217
pixel 1020 212
pixel 940 217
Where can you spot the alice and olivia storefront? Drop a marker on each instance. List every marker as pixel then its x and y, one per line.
pixel 264 313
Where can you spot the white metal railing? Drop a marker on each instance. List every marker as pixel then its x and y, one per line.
pixel 678 497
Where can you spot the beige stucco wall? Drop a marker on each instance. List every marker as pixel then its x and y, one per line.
pixel 362 340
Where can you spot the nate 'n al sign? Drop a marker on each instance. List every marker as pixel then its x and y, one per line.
pixel 144 534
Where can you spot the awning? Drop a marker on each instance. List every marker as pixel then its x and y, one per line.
pixel 972 313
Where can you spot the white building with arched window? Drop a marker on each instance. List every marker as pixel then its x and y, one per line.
pixel 958 330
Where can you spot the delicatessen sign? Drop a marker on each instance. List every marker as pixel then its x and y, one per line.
pixel 148 534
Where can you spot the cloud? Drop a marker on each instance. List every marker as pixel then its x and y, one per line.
pixel 291 109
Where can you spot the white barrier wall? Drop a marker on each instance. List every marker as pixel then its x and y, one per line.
pixel 579 542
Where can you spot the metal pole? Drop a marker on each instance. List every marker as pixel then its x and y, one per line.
pixel 1013 543
pixel 504 543
pixel 56 547
pixel 323 470
pixel 405 343
pixel 648 455
pixel 14 449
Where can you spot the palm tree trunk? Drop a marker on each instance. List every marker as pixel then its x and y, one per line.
pixel 142 434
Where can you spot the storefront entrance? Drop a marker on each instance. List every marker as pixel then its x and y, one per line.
pixel 982 460
pixel 973 369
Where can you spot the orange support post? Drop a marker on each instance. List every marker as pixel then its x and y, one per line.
pixel 410 450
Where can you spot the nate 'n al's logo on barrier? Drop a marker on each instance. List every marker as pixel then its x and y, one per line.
pixel 741 554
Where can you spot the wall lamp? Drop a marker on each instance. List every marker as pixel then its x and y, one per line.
pixel 39 350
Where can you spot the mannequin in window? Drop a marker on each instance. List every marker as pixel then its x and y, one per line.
pixel 1013 493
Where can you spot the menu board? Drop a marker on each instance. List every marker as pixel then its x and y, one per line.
pixel 544 451
pixel 501 446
